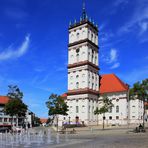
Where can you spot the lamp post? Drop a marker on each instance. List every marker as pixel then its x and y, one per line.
pixel 69 119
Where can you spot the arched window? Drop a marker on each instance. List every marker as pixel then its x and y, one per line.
pixel 78 36
pixel 110 110
pixel 117 109
pixel 95 59
pixel 77 56
pixel 77 109
pixel 83 75
pixel 83 34
pixel 77 85
pixel 83 54
pixel 72 37
pixel 92 85
pixel 92 36
pixel 83 109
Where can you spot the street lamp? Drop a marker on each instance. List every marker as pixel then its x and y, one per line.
pixel 69 119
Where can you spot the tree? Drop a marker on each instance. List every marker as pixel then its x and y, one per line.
pixel 140 91
pixel 14 92
pixel 107 104
pixel 15 106
pixel 36 121
pixel 56 106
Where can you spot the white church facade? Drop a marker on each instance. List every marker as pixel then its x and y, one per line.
pixel 86 87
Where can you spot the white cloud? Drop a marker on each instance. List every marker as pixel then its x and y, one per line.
pixel 11 53
pixel 112 59
pixel 115 65
pixel 138 22
pixel 113 55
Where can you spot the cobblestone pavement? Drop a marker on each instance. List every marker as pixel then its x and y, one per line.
pixel 107 139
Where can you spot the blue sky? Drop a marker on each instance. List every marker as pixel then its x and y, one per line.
pixel 34 37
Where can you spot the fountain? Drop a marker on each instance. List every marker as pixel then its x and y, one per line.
pixel 31 138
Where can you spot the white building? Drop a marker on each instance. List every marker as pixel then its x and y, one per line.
pixel 7 121
pixel 136 111
pixel 83 78
pixel 84 89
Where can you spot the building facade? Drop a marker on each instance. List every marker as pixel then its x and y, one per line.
pixel 8 121
pixel 83 77
pixel 86 88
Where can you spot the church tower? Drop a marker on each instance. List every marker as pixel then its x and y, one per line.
pixel 83 68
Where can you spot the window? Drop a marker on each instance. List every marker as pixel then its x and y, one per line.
pixel 92 57
pixel 83 109
pixel 77 85
pixel 10 119
pixel 0 119
pixel 83 75
pixel 77 76
pixel 77 109
pixel 5 119
pixel 92 85
pixel 110 117
pixel 110 110
pixel 83 33
pixel 95 60
pixel 117 100
pixel 77 56
pixel 117 117
pixel 77 50
pixel 117 109
pixel 71 77
pixel 92 36
pixel 72 37
pixel 78 35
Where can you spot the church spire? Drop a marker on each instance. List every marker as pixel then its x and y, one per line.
pixel 84 15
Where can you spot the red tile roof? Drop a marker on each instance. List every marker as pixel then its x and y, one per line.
pixel 43 120
pixel 4 99
pixel 64 95
pixel 111 83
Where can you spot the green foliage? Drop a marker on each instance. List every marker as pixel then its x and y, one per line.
pixel 36 121
pixel 107 104
pixel 49 121
pixel 14 92
pixel 56 105
pixel 140 90
pixel 15 107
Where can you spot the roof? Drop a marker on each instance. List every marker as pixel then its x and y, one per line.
pixel 43 120
pixel 4 99
pixel 64 95
pixel 111 83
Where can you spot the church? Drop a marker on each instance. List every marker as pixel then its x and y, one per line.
pixel 86 86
